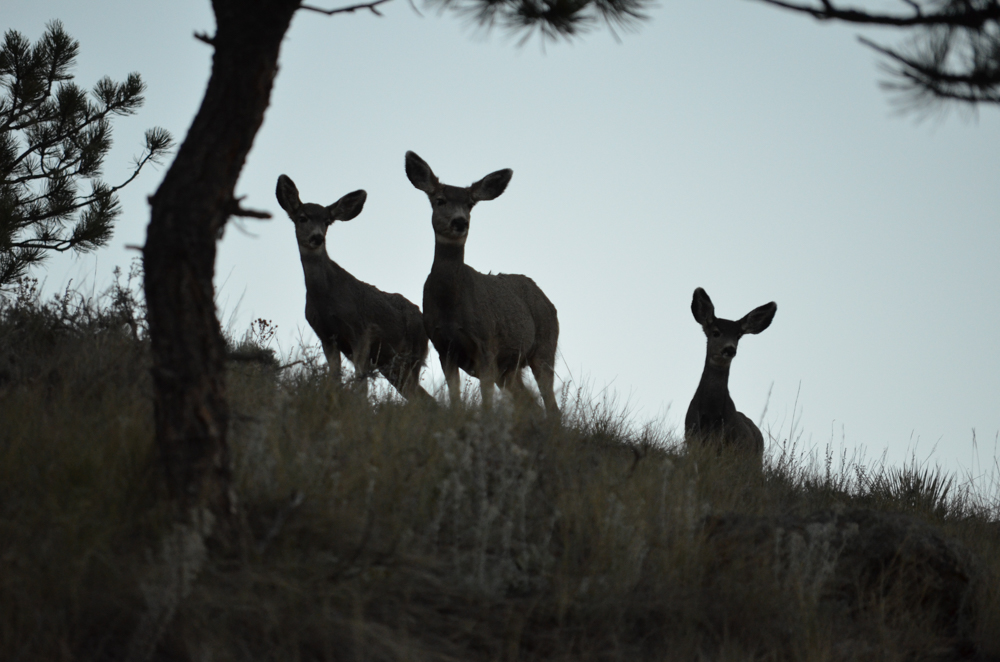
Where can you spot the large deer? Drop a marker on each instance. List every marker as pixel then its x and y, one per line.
pixel 374 329
pixel 490 326
pixel 712 417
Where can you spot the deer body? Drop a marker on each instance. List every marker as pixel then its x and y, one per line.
pixel 375 330
pixel 713 412
pixel 490 326
pixel 712 416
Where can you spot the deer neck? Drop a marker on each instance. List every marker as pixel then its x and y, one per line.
pixel 448 258
pixel 713 389
pixel 448 282
pixel 320 271
pixel 447 254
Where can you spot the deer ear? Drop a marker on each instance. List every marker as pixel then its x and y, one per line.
pixel 702 308
pixel 348 206
pixel 287 194
pixel 492 185
pixel 420 174
pixel 759 319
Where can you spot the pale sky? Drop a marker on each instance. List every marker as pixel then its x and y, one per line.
pixel 725 145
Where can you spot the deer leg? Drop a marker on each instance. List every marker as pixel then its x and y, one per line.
pixel 415 392
pixel 545 378
pixel 332 358
pixel 453 379
pixel 360 356
pixel 397 374
pixel 512 382
pixel 405 378
pixel 487 372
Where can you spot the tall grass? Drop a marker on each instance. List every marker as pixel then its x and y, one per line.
pixel 377 530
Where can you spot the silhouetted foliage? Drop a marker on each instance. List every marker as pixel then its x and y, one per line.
pixel 952 52
pixel 551 19
pixel 51 138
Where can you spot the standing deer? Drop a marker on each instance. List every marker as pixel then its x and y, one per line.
pixel 712 416
pixel 490 326
pixel 374 329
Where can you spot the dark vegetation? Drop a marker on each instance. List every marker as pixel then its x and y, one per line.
pixel 373 530
pixel 53 140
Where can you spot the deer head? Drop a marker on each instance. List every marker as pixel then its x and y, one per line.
pixel 724 335
pixel 452 205
pixel 312 220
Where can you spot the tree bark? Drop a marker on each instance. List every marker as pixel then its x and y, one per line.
pixel 189 212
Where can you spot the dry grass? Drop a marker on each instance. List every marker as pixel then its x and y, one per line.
pixel 376 530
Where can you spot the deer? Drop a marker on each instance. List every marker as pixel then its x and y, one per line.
pixel 712 417
pixel 375 330
pixel 491 326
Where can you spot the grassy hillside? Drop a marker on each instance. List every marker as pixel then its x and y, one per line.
pixel 374 530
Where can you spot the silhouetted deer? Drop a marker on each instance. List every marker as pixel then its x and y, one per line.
pixel 712 416
pixel 490 326
pixel 374 329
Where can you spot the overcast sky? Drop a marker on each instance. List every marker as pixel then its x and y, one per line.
pixel 725 145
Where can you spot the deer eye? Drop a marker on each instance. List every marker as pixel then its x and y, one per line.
pixel 440 202
pixel 716 333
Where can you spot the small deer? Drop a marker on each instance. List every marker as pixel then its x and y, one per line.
pixel 712 416
pixel 374 329
pixel 490 326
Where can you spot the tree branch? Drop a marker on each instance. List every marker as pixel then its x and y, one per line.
pixel 84 201
pixel 969 18
pixel 941 83
pixel 32 106
pixel 58 245
pixel 151 155
pixel 349 9
pixel 234 209
pixel 69 131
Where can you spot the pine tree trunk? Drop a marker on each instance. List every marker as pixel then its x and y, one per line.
pixel 189 211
